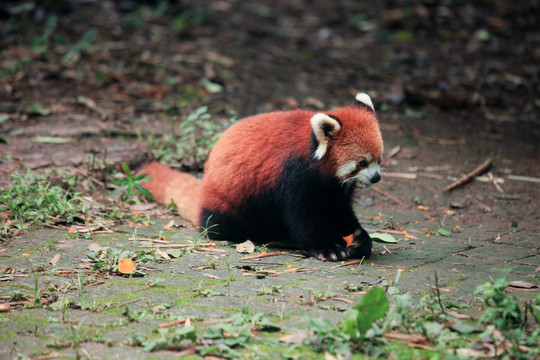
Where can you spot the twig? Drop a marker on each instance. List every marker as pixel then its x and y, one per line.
pixel 352 262
pixel 465 179
pixel 172 323
pixel 438 293
pixel 430 175
pixel 178 245
pixel 524 178
pixel 401 175
pixel 259 256
pixel 341 299
pixel 394 199
pixel 100 183
pixel 53 355
pixel 151 240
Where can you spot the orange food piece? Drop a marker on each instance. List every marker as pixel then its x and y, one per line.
pixel 349 239
pixel 126 266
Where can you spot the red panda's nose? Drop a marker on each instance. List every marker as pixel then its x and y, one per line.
pixel 375 178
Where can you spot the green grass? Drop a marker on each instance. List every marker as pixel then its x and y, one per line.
pixel 32 201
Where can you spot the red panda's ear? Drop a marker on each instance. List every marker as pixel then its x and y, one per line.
pixel 364 100
pixel 324 127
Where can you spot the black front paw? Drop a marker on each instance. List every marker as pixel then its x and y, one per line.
pixel 334 253
pixel 361 245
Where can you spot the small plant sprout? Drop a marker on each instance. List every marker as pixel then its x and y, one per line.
pixel 130 185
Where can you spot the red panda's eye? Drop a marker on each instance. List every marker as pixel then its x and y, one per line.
pixel 363 163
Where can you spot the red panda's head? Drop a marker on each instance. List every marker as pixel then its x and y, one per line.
pixel 349 142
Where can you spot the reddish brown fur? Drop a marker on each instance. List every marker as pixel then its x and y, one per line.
pixel 174 186
pixel 359 135
pixel 248 158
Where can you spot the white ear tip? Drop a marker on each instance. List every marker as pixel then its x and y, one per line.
pixel 365 99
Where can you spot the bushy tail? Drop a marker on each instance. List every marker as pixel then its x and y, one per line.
pixel 172 185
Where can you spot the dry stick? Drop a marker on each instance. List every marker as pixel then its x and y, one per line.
pixel 260 256
pixel 172 323
pixel 100 183
pixel 352 262
pixel 341 299
pixel 178 245
pixel 396 200
pixel 465 179
pixel 151 240
pixel 438 293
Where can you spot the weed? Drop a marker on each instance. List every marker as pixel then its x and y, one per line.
pixel 274 290
pixel 107 259
pixel 17 295
pixel 503 311
pixel 86 40
pixel 237 332
pixel 190 141
pixel 204 291
pixel 229 274
pixel 40 43
pixel 130 185
pixel 176 338
pixel 80 290
pixel 442 231
pixel 31 200
pixel 205 231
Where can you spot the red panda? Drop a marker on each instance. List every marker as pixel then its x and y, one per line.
pixel 284 176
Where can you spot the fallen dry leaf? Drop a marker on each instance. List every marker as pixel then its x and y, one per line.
pixel 413 338
pixel 163 254
pixel 247 247
pixel 173 323
pixel 126 266
pixel 55 259
pixel 521 284
pixel 457 315
pixel 349 239
pixel 169 225
pixel 296 338
pixel 212 276
pixel 328 356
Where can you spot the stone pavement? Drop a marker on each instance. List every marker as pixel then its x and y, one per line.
pixel 210 285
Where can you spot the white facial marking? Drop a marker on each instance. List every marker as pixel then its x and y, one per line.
pixel 365 99
pixel 364 177
pixel 346 169
pixel 320 123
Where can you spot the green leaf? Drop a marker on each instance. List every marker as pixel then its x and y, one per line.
pixel 175 252
pixel 144 191
pixel 462 328
pixel 118 191
pixel 514 224
pixel 383 237
pixel 372 307
pixel 444 232
pixel 126 169
pixel 3 140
